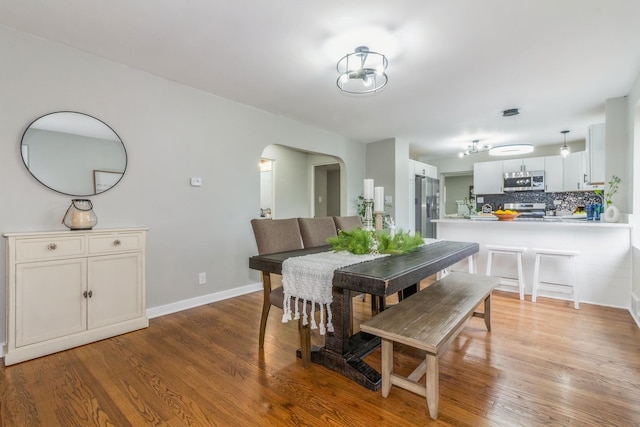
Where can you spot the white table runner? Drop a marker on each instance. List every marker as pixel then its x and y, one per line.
pixel 309 278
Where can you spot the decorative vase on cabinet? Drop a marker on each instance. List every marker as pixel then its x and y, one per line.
pixel 66 289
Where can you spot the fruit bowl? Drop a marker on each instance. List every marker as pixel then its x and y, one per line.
pixel 506 217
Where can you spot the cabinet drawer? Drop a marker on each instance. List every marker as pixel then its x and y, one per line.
pixel 109 243
pixel 49 248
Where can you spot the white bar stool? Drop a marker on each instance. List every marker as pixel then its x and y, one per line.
pixel 508 250
pixel 567 255
pixel 446 271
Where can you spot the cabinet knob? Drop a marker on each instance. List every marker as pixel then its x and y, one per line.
pixel 117 242
pixel 52 246
pixel 87 294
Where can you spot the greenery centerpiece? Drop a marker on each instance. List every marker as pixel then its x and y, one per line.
pixel 359 241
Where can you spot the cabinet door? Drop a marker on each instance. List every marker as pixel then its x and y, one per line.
pixel 573 172
pixel 595 152
pixel 49 300
pixel 512 165
pixel 553 174
pixel 533 164
pixel 487 178
pixel 115 283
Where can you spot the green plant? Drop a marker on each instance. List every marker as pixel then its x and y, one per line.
pixel 470 203
pixel 614 184
pixel 359 241
pixel 360 206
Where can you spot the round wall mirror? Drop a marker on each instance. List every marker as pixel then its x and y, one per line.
pixel 73 153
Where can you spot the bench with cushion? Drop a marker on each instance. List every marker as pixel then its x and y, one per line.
pixel 429 320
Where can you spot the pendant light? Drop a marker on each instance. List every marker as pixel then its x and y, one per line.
pixel 564 151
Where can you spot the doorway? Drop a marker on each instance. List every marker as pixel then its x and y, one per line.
pixel 326 190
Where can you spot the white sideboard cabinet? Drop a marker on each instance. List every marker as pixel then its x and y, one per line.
pixel 69 288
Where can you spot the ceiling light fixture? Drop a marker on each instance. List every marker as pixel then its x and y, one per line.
pixel 362 71
pixel 564 151
pixel 511 149
pixel 474 148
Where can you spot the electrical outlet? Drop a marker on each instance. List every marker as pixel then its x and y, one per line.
pixel 202 278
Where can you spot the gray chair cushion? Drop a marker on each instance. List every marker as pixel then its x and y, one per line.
pixel 316 231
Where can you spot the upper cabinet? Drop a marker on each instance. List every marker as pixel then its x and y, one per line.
pixel 573 172
pixel 488 178
pixel 422 169
pixel 553 175
pixel 595 154
pixel 523 165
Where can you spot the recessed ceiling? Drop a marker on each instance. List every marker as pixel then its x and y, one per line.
pixel 454 65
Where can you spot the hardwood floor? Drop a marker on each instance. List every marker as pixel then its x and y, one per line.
pixel 543 364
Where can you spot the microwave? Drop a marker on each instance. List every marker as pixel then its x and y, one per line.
pixel 523 181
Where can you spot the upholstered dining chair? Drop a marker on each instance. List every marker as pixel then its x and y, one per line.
pixel 316 231
pixel 347 223
pixel 279 235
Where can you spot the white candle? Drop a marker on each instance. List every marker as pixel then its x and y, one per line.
pixel 378 200
pixel 368 189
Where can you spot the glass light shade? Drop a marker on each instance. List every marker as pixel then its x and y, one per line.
pixel 511 150
pixel 564 151
pixel 80 215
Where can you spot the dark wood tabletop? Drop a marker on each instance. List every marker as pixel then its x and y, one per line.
pixel 385 276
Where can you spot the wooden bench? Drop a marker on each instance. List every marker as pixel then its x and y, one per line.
pixel 430 320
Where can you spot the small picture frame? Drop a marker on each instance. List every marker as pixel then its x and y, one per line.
pixel 104 180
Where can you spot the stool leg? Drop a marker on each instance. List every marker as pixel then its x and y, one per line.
pixel 520 276
pixel 489 261
pixel 471 264
pixel 574 283
pixel 536 278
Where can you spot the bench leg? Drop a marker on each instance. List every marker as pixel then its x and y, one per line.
pixel 487 312
pixel 433 384
pixel 387 365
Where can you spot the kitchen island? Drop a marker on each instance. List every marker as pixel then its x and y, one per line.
pixel 604 263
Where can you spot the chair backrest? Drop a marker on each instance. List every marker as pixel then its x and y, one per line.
pixel 347 223
pixel 316 231
pixel 276 235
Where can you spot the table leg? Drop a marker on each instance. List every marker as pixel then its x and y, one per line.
pixel 487 312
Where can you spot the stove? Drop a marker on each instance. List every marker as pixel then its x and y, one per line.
pixel 528 211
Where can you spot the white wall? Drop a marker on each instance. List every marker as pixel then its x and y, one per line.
pixel 171 132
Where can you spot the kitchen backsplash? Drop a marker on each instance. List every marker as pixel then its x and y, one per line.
pixel 569 200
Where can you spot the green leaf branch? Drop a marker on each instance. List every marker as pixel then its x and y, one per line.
pixel 359 241
pixel 614 185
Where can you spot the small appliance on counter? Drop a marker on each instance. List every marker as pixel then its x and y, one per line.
pixel 528 211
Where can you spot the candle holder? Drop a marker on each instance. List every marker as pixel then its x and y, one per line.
pixel 368 214
pixel 79 215
pixel 378 216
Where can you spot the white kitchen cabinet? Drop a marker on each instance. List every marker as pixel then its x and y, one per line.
pixel 595 154
pixel 573 172
pixel 488 178
pixel 70 288
pixel 422 169
pixel 523 165
pixel 553 174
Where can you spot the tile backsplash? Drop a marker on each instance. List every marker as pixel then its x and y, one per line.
pixel 569 200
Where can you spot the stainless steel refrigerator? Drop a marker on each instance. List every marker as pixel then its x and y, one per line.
pixel 427 205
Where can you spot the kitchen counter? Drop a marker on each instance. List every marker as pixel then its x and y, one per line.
pixel 604 263
pixel 557 221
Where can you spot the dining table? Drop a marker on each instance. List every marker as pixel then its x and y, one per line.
pixel 343 351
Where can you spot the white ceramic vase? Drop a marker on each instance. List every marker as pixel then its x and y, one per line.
pixel 611 214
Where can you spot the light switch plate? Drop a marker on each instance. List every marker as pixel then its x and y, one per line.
pixel 196 182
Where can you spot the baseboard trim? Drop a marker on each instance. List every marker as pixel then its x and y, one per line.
pixel 201 300
pixel 635 308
